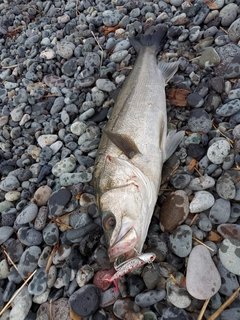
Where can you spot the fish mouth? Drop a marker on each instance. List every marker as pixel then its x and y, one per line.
pixel 124 245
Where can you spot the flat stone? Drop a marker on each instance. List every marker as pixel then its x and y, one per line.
pixel 41 218
pixel 209 58
pixel 201 201
pixel 46 140
pixel 220 211
pixel 229 108
pixel 85 301
pixel 149 298
pixel 9 183
pixel 201 183
pixel 68 179
pixel 21 305
pixel 123 306
pixel 51 234
pixel 5 233
pixel 218 151
pixel 29 236
pixel 65 165
pixel 199 121
pixel 229 280
pixel 225 187
pixel 202 279
pixel 229 231
pixel 180 241
pixel 174 210
pixel 234 30
pixel 58 201
pixel 28 261
pixel 229 254
pixel 28 214
pixel 38 284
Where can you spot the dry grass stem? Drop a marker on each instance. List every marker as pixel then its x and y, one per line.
pixel 101 58
pixel 49 263
pixel 16 293
pixel 8 67
pixel 203 244
pixel 204 307
pixel 193 219
pixel 225 305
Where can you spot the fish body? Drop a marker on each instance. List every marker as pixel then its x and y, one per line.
pixel 132 150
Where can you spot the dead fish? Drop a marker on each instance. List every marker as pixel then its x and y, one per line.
pixel 133 148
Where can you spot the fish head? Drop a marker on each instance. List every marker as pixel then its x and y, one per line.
pixel 125 212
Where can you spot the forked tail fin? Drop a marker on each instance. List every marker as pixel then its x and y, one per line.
pixel 157 39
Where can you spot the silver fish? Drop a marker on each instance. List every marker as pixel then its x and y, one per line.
pixel 133 148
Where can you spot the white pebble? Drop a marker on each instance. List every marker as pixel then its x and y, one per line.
pixel 218 151
pixel 201 201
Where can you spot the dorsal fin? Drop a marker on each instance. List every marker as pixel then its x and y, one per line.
pixel 123 142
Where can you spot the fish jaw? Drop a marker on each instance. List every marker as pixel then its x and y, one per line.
pixel 125 245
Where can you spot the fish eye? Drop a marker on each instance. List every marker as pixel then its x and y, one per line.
pixel 152 258
pixel 109 222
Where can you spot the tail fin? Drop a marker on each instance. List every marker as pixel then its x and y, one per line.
pixel 156 39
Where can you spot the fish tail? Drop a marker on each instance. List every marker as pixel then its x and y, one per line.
pixel 157 39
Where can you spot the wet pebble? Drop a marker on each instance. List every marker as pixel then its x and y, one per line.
pixel 202 279
pixel 5 233
pixel 28 214
pixel 38 283
pixel 220 211
pixel 42 195
pixel 229 280
pixel 29 236
pixel 149 298
pixel 199 121
pixel 201 183
pixel 51 234
pixel 28 261
pixel 229 231
pixel 122 306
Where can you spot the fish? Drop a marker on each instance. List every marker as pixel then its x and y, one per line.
pixel 133 148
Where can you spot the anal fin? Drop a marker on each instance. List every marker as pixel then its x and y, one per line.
pixel 123 142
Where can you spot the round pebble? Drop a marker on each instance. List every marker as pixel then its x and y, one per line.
pixel 180 241
pixel 201 201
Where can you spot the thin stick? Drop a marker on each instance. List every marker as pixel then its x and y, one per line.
pixel 193 219
pixel 13 66
pixel 101 58
pixel 203 244
pixel 16 293
pixel 49 263
pixel 50 310
pixel 225 305
pixel 204 307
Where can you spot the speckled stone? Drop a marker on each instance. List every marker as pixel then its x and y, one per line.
pixel 225 187
pixel 201 201
pixel 28 261
pixel 5 233
pixel 229 108
pixel 199 121
pixel 220 211
pixel 65 165
pixel 41 218
pixel 174 210
pixel 29 236
pixel 202 279
pixel 229 280
pixel 180 241
pixel 42 195
pixel 51 234
pixel 229 254
pixel 38 284
pixel 58 201
pixel 21 305
pixel 234 30
pixel 218 151
pixel 46 139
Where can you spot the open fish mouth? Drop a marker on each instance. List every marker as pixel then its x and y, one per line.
pixel 123 245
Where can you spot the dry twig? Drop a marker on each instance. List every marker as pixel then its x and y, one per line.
pixel 204 307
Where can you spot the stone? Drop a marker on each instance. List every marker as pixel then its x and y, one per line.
pixel 174 210
pixel 229 254
pixel 201 201
pixel 209 58
pixel 220 211
pixel 28 214
pixel 229 108
pixel 229 280
pixel 58 201
pixel 123 306
pixel 51 234
pixel 234 30
pixel 41 218
pixel 90 299
pixel 229 231
pixel 225 187
pixel 201 183
pixel 199 121
pixel 28 261
pixel 46 140
pixel 203 279
pixel 29 236
pixel 38 284
pixel 99 281
pixel 9 183
pixel 149 298
pixel 65 165
pixel 180 241
pixel 21 305
pixel 42 195
pixel 5 233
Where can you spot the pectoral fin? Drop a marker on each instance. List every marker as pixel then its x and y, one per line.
pixel 172 142
pixel 123 142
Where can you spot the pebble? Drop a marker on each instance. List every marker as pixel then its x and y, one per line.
pixel 199 121
pixel 220 211
pixel 229 231
pixel 51 234
pixel 201 201
pixel 90 297
pixel 174 211
pixel 228 279
pixel 233 31
pixel 123 306
pixel 5 233
pixel 229 255
pixel 21 305
pixel 68 179
pixel 10 183
pixel 42 195
pixel 46 140
pixel 149 298
pixel 57 202
pixel 176 295
pixel 65 165
pixel 28 214
pixel 203 279
pixel 180 241
pixel 28 261
pixel 225 187
pixel 201 183
pixel 38 284
pixel 229 108
pixel 29 236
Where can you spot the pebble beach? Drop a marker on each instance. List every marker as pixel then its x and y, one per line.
pixel 62 63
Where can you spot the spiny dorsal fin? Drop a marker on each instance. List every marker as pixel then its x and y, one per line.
pixel 168 69
pixel 123 142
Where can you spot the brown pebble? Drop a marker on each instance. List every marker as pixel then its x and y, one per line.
pixel 130 315
pixel 98 279
pixel 42 195
pixel 174 211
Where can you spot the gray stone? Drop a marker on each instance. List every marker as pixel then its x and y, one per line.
pixel 229 254
pixel 201 201
pixel 180 241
